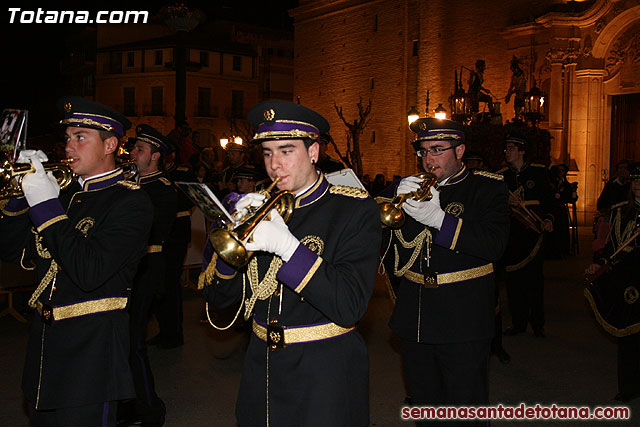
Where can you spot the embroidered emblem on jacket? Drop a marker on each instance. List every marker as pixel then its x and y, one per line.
pixel 455 209
pixel 314 243
pixel 85 224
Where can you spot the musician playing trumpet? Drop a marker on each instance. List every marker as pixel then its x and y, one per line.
pixel 86 243
pixel 307 285
pixel 530 200
pixel 614 297
pixel 443 257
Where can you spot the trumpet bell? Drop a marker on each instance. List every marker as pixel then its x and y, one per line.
pixel 391 215
pixel 229 243
pixel 11 175
pixel 229 248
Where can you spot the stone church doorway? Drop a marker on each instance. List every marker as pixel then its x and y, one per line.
pixel 625 128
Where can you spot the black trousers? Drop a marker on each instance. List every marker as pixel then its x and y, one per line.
pixel 96 415
pixel 148 404
pixel 525 293
pixel 169 306
pixel 447 375
pixel 629 364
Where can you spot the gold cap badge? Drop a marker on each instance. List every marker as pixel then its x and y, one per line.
pixel 269 114
pixel 67 107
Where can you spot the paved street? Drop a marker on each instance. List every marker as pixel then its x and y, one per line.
pixel 574 365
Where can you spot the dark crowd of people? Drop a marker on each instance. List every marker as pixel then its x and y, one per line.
pixel 109 251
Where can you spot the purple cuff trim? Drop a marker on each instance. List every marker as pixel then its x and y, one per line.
pixel 447 231
pixel 44 211
pixel 16 204
pixel 293 272
pixel 286 127
pixel 224 268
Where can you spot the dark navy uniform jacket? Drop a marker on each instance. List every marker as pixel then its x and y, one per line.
pixel 181 229
pixel 97 235
pixel 329 278
pixel 532 185
pixel 164 197
pixel 473 236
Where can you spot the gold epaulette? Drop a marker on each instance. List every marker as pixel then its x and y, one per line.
pixel 165 181
pixel 344 190
pixel 504 169
pixel 489 174
pixel 129 185
pixel 617 205
pixel 182 168
pixel 537 165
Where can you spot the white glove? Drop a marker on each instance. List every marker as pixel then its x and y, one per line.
pixel 428 213
pixel 39 186
pixel 26 156
pixel 274 236
pixel 250 199
pixel 408 185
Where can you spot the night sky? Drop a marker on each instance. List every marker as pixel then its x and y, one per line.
pixel 32 52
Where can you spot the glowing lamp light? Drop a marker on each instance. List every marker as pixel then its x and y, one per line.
pixel 413 115
pixel 237 140
pixel 224 141
pixel 440 112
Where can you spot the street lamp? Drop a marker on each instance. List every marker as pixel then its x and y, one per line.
pixel 237 140
pixel 181 19
pixel 412 114
pixel 533 102
pixel 440 112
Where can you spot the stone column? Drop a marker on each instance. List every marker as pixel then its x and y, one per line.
pixel 558 148
pixel 586 137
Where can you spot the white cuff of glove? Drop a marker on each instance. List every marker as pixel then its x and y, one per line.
pixel 426 213
pixel 274 236
pixel 39 186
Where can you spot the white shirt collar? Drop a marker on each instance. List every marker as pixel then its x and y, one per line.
pixel 82 181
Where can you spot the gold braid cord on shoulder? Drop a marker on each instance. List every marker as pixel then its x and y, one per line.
pixel 206 277
pixel 416 244
pixel 261 290
pixel 620 234
pixel 49 276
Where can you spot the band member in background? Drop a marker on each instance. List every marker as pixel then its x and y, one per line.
pixel 625 220
pixel 325 163
pixel 168 306
pixel 530 192
pixel 148 152
pixel 444 254
pixel 308 284
pixel 236 158
pixel 244 179
pixel 86 242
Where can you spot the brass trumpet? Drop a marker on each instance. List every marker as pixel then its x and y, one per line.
pixel 391 213
pixel 229 243
pixel 11 175
pixel 527 217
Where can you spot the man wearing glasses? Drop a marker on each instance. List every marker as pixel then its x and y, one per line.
pixel 444 254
